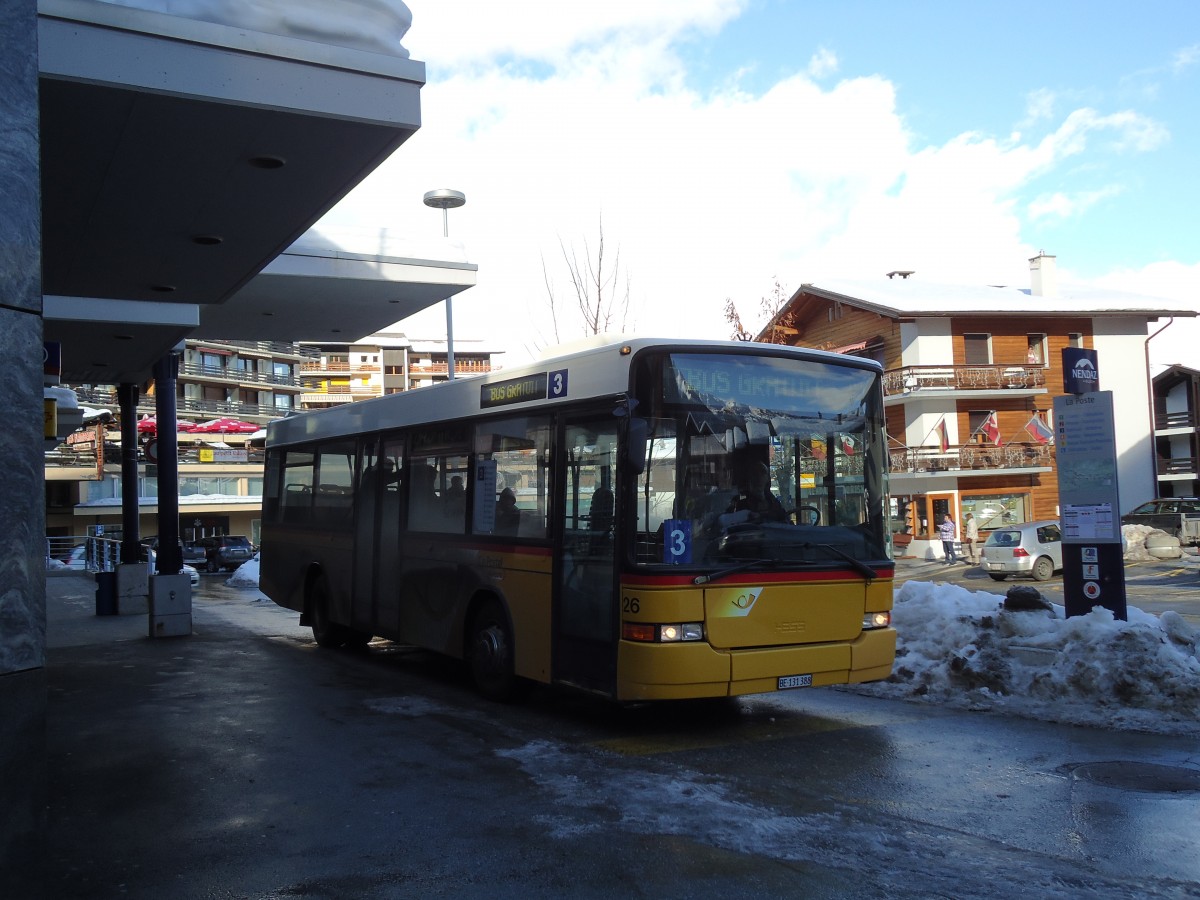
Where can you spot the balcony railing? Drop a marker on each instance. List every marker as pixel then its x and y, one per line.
pixel 1177 465
pixel 269 348
pixel 970 456
pixel 1184 419
pixel 963 378
pixel 240 376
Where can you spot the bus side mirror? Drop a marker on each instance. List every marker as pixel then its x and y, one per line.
pixel 635 445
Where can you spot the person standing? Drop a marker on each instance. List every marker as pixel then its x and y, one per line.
pixel 971 537
pixel 947 532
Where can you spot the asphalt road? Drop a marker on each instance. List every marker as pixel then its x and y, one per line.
pixel 244 762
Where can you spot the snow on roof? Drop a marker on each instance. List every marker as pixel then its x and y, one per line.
pixel 376 26
pixel 911 297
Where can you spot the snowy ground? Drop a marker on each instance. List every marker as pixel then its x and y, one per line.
pixel 963 649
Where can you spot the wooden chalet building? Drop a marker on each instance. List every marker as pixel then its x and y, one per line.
pixel 970 377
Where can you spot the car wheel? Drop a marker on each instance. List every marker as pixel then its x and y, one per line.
pixel 1043 568
pixel 996 576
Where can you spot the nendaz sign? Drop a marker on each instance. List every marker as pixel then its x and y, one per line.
pixel 1081 374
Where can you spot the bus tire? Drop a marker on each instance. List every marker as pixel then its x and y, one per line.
pixel 489 653
pixel 325 632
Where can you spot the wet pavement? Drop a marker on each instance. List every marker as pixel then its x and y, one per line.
pixel 244 762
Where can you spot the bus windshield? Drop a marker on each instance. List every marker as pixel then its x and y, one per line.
pixel 759 458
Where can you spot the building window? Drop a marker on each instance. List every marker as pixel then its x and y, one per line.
pixel 283 401
pixel 1075 339
pixel 993 511
pixel 1036 354
pixel 978 349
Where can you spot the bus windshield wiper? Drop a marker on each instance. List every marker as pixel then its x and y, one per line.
pixel 857 564
pixel 732 570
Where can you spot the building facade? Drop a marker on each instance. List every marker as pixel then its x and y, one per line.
pixel 970 378
pixel 1177 432
pixel 220 473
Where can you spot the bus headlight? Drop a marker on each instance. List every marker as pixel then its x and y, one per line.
pixel 663 634
pixel 876 620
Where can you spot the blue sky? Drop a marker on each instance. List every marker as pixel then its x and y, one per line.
pixel 730 144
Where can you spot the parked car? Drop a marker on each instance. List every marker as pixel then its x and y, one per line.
pixel 193 553
pixel 1169 514
pixel 192 573
pixel 226 552
pixel 1030 548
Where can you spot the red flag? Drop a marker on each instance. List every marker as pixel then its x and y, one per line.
pixel 847 445
pixel 991 428
pixel 943 438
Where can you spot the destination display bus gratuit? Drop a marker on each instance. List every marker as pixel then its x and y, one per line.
pixel 642 519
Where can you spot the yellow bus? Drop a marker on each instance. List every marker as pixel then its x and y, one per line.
pixel 641 519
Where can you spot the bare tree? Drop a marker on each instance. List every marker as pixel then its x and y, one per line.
pixel 769 306
pixel 731 316
pixel 601 290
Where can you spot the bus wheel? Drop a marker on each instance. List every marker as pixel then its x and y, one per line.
pixel 325 632
pixel 490 653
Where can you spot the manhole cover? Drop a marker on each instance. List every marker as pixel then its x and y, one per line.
pixel 1148 777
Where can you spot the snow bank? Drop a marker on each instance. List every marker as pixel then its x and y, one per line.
pixel 963 649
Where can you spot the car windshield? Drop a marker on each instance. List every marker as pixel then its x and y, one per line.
pixel 236 542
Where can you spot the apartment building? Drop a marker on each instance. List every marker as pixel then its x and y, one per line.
pixel 220 473
pixel 1177 431
pixel 970 377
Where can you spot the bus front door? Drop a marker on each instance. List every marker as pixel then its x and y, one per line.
pixel 585 620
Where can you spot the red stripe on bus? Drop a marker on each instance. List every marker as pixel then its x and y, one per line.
pixel 750 578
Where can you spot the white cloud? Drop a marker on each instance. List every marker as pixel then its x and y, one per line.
pixel 1062 205
pixel 823 63
pixel 589 112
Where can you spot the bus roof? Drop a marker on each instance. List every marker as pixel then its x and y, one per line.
pixel 594 367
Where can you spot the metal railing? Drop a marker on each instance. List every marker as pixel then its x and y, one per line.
pixel 970 456
pixel 963 378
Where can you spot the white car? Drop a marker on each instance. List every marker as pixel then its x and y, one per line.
pixel 1031 548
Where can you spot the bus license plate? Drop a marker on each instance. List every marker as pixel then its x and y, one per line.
pixel 794 681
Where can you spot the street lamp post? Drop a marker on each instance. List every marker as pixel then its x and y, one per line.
pixel 446 199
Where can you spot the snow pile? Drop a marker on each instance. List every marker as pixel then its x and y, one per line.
pixel 245 575
pixel 963 649
pixel 1133 539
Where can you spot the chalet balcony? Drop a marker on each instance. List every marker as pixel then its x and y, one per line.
pixel 1177 467
pixel 1000 380
pixel 1177 422
pixel 971 460
pixel 339 367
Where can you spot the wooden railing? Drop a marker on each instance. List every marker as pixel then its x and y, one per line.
pixel 1184 419
pixel 1177 465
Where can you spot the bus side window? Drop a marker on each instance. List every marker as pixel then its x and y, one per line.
pixel 297 500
